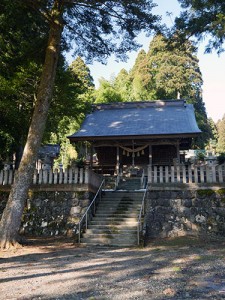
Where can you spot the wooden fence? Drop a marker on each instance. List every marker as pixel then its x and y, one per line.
pixel 186 174
pixel 68 176
pixel 156 174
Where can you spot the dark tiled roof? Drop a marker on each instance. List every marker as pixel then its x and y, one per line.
pixel 139 119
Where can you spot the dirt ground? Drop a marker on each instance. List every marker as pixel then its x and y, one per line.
pixel 55 268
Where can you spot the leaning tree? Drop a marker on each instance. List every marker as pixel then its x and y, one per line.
pixel 94 29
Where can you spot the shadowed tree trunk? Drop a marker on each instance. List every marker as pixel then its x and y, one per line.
pixel 11 218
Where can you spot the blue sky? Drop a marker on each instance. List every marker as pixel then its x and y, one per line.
pixel 212 66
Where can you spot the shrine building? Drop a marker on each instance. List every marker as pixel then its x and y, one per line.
pixel 129 136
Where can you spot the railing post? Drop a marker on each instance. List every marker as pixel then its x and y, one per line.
pixel 178 173
pixel 40 177
pixel 86 220
pixel 79 233
pixel 190 174
pixel 184 174
pixel 202 179
pixel 166 174
pixel 10 176
pixel 138 234
pixel 55 176
pixel 161 174
pixel 196 174
pixel 172 174
pixel 50 180
pixel 45 176
pixel 149 173
pixel 155 174
pixel 86 175
pixel 220 173
pixel 60 176
pixel 65 179
pixel 81 175
pixel 76 175
pixel 1 176
pixel 70 175
pixel 214 174
pixel 208 175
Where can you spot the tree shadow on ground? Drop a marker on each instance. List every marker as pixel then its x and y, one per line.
pixel 166 269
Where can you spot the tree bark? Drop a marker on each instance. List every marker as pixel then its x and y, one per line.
pixel 11 218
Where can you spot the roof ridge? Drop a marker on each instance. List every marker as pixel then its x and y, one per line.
pixel 138 104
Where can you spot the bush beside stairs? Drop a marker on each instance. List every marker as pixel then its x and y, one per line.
pixel 115 221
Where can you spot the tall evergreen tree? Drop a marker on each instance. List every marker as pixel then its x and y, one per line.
pixel 221 135
pixel 72 99
pixel 175 69
pixel 122 85
pixel 141 79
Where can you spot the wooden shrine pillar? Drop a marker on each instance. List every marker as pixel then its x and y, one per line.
pixel 117 160
pixel 91 157
pixel 178 152
pixel 150 155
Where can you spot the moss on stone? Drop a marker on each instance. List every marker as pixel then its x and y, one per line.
pixel 221 192
pixel 207 192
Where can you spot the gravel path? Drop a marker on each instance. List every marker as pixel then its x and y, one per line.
pixel 56 269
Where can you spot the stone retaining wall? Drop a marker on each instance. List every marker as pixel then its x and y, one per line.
pixel 51 213
pixel 172 213
pixel 169 212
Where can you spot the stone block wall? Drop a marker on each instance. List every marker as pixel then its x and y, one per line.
pixel 51 213
pixel 171 213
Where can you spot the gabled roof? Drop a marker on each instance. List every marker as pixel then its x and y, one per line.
pixel 138 119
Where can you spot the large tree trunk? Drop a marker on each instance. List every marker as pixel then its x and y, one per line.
pixel 11 218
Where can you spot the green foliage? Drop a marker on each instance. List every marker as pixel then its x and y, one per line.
pixel 141 79
pixel 107 93
pixel 203 18
pixel 221 192
pixel 73 97
pixel 100 28
pixel 175 69
pixel 122 85
pixel 201 156
pixel 221 135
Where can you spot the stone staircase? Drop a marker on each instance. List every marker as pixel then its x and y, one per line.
pixel 115 221
pixel 129 184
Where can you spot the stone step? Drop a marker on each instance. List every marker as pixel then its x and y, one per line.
pixel 90 243
pixel 122 201
pixel 119 201
pixel 111 214
pixel 122 227
pixel 122 193
pixel 113 222
pixel 120 218
pixel 118 207
pixel 110 235
pixel 110 240
pixel 110 230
